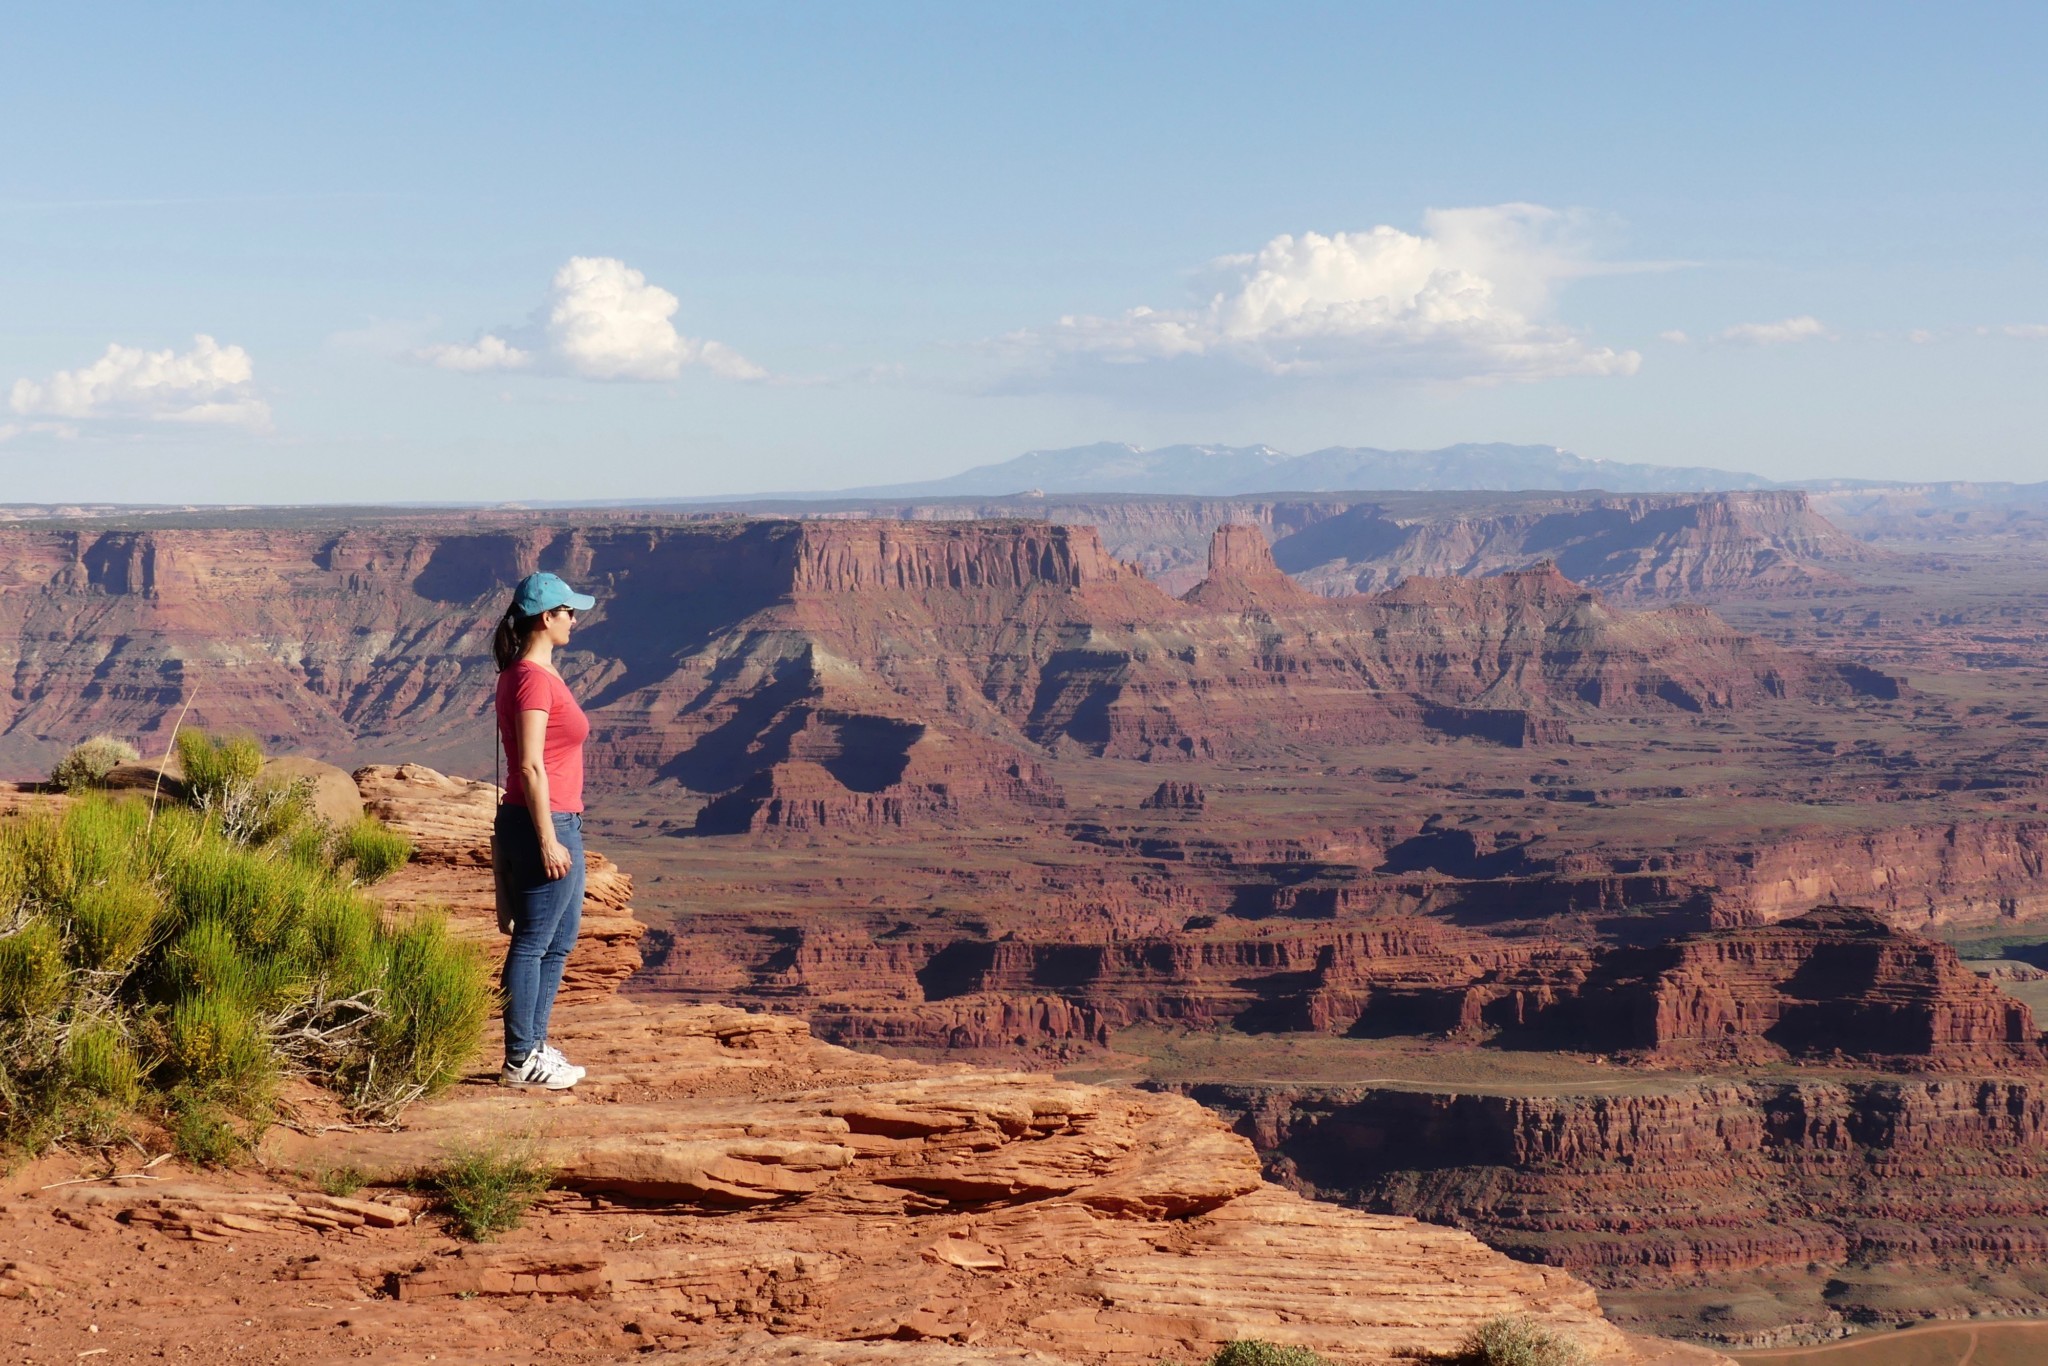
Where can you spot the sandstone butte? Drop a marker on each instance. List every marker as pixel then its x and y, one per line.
pixel 733 1190
pixel 1634 547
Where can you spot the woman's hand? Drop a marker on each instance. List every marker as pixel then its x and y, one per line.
pixel 554 856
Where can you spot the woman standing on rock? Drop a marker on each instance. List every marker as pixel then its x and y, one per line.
pixel 538 837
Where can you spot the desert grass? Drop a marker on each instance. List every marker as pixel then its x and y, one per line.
pixel 374 849
pixel 488 1189
pixel 340 1181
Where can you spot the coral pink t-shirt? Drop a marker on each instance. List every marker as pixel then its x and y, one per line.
pixel 528 687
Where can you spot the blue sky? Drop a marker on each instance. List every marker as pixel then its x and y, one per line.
pixel 503 251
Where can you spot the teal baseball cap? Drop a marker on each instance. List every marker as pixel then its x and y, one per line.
pixel 543 592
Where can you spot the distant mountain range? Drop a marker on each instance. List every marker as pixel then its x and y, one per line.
pixel 1115 467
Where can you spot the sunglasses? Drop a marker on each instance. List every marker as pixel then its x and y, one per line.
pixel 570 610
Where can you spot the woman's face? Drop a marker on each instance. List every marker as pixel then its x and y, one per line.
pixel 558 622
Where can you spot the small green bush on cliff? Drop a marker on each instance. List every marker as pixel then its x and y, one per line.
pixel 1256 1352
pixel 487 1190
pixel 182 961
pixel 215 767
pixel 374 848
pixel 1516 1341
pixel 88 765
pixel 224 779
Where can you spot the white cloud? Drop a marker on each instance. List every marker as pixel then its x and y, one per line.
pixel 1920 336
pixel 485 353
pixel 1805 327
pixel 2028 331
pixel 1465 299
pixel 63 431
pixel 726 363
pixel 602 320
pixel 210 384
pixel 606 322
pixel 1674 336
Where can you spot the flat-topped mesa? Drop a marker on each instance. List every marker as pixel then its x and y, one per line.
pixel 1745 544
pixel 1837 982
pixel 1645 546
pixel 1242 575
pixel 1542 586
pixel 851 556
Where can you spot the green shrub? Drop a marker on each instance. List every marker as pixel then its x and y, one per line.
pixel 88 765
pixel 487 1190
pixel 14 870
pixel 215 768
pixel 32 1120
pixel 308 845
pixel 436 1000
pixel 217 1048
pixel 94 1121
pixel 376 850
pixel 1254 1352
pixel 344 943
pixel 224 779
pixel 101 1063
pixel 272 812
pixel 340 1181
pixel 202 1133
pixel 111 922
pixel 252 898
pixel 150 955
pixel 94 841
pixel 33 977
pixel 1517 1341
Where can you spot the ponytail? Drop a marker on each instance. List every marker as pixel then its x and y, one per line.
pixel 508 642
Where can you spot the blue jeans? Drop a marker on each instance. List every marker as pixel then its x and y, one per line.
pixel 543 931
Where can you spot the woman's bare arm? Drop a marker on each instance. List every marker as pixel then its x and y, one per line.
pixel 533 739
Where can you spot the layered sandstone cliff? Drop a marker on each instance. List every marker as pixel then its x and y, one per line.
pixel 1826 986
pixel 833 672
pixel 1835 982
pixel 1821 1197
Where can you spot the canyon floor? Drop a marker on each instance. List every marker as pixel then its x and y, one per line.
pixel 1989 1344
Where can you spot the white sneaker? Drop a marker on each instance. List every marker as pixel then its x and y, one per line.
pixel 543 1070
pixel 562 1062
